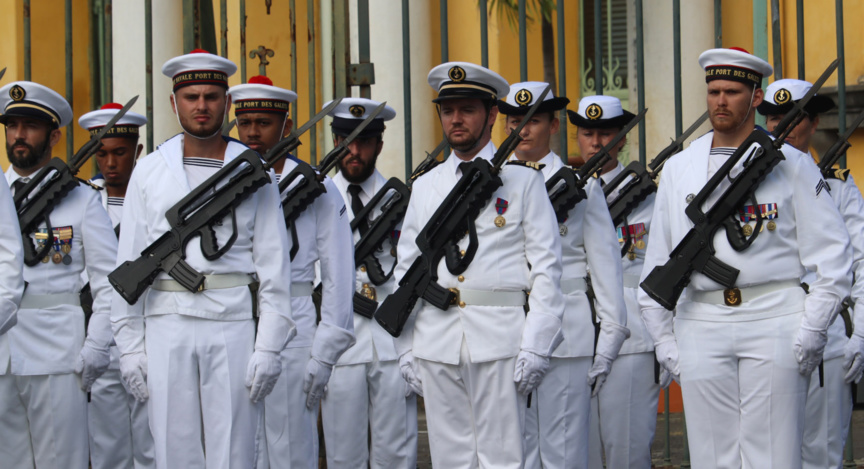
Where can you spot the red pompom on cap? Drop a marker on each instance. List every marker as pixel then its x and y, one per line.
pixel 112 106
pixel 199 51
pixel 740 49
pixel 260 80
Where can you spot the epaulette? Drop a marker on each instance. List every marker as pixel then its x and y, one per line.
pixel 841 174
pixel 528 164
pixel 90 184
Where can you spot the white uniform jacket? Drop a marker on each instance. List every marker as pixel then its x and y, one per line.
pixel 367 331
pixel 11 261
pixel 848 199
pixel 115 212
pixel 588 242
pixel 324 235
pixel 638 220
pixel 47 341
pixel 809 235
pixel 158 182
pixel 529 237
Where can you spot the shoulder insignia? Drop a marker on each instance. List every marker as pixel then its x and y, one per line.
pixel 528 164
pixel 841 174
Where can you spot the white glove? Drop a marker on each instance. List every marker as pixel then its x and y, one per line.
pixel 667 356
pixel 133 369
pixel 809 346
pixel 530 370
pixel 853 361
pixel 262 372
pixel 598 373
pixel 315 381
pixel 92 362
pixel 410 375
pixel 609 342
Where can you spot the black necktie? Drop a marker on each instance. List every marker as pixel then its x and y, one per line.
pixel 463 167
pixel 357 206
pixel 18 184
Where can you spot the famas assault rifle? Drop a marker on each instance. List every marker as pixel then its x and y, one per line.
pixel 196 215
pixel 696 250
pixel 453 218
pixel 839 148
pixel 35 201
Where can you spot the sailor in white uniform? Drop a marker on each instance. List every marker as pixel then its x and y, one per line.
pixel 624 413
pixel 477 362
pixel 829 407
pixel 556 424
pixel 747 353
pixel 47 364
pixel 320 234
pixel 367 392
pixel 119 429
pixel 200 362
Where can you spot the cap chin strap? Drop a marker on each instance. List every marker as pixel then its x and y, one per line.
pixel 218 131
pixel 749 109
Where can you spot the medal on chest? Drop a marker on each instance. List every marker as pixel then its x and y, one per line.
pixel 562 228
pixel 749 213
pixel 501 207
pixel 635 234
pixel 61 240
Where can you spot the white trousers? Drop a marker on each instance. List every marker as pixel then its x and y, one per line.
pixel 474 414
pixel 119 430
pixel 43 422
pixel 826 418
pixel 199 404
pixel 743 395
pixel 290 428
pixel 624 414
pixel 556 424
pixel 364 396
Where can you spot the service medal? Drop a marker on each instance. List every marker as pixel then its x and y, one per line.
pixel 562 229
pixel 640 244
pixel 393 252
pixel 67 259
pixel 56 257
pixel 45 260
pixel 747 229
pixel 772 226
pixel 500 221
pixel 631 255
pixel 501 207
pixel 66 248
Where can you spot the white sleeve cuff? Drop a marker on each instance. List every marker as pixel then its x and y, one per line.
pixel 542 333
pixel 330 343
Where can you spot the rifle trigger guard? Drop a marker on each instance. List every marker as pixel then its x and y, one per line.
pixel 208 240
pixel 456 262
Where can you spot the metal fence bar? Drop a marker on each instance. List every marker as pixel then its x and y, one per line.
pixel 27 67
pixel 340 48
pixel 598 48
pixel 100 48
pixel 799 20
pixel 313 106
pixel 841 75
pixel 243 41
pixel 484 34
pixel 223 28
pixel 562 77
pixel 363 42
pixel 70 129
pixel 108 86
pixel 718 24
pixel 292 19
pixel 640 78
pixel 445 40
pixel 523 42
pixel 760 40
pixel 406 86
pixel 775 39
pixel 148 69
pixel 188 26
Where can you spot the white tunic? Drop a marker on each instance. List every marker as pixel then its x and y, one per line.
pixel 528 238
pixel 11 260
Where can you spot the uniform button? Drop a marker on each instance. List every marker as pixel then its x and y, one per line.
pixel 462 253
pixel 461 278
pixel 461 304
pixel 362 268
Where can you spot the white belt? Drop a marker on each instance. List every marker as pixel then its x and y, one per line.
pixel 211 282
pixel 570 285
pixel 631 281
pixel 301 290
pixel 489 298
pixel 736 296
pixel 29 301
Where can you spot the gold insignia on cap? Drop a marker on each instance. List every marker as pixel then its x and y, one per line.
pixel 357 110
pixel 524 97
pixel 594 112
pixel 782 96
pixel 17 93
pixel 456 73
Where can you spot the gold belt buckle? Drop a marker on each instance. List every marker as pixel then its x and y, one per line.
pixel 369 292
pixel 457 300
pixel 732 296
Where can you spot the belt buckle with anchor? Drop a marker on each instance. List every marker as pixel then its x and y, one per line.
pixel 732 296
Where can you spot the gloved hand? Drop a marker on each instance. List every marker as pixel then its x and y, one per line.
pixel 667 356
pixel 133 369
pixel 315 381
pixel 853 361
pixel 530 370
pixel 598 373
pixel 809 346
pixel 262 372
pixel 609 342
pixel 92 362
pixel 410 375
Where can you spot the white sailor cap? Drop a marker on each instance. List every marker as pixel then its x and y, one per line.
pixel 781 95
pixel 259 95
pixel 199 67
pixel 600 112
pixel 735 64
pixel 523 95
pixel 466 80
pixel 29 99
pixel 352 111
pixel 127 126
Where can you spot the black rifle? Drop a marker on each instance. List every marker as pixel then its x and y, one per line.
pixel 566 187
pixel 196 215
pixel 696 250
pixel 453 218
pixel 35 201
pixel 839 148
pixel 641 182
pixel 310 181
